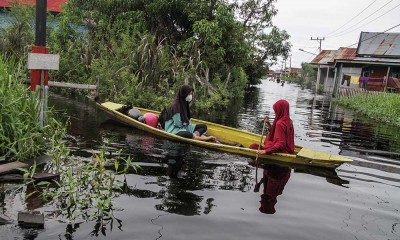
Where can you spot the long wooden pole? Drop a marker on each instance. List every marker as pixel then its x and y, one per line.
pixel 259 146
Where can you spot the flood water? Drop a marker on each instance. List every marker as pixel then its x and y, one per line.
pixel 187 192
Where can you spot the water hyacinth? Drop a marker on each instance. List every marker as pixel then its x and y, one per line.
pixel 383 107
pixel 21 136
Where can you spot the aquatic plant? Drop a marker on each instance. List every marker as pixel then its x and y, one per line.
pixel 382 107
pixel 86 190
pixel 21 135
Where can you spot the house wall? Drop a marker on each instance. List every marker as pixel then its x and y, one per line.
pixel 395 72
pixel 329 84
pixel 352 71
pixel 374 71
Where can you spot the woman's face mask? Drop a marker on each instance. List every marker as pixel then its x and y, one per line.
pixel 189 98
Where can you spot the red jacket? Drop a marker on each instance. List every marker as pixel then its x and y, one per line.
pixel 281 135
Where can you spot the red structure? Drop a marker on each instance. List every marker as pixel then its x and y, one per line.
pixel 52 5
pixel 35 74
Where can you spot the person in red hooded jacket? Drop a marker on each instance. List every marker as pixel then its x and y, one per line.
pixel 281 133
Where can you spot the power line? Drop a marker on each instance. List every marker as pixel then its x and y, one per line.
pixel 343 32
pixel 374 19
pixel 312 56
pixel 352 18
pixel 374 35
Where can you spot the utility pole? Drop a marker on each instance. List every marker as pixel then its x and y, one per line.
pixel 320 40
pixel 319 66
pixel 284 69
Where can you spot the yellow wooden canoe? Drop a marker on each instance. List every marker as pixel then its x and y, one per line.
pixel 302 156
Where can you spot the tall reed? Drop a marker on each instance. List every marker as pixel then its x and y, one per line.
pixel 21 136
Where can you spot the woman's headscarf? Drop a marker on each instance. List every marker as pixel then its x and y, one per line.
pixel 281 109
pixel 180 105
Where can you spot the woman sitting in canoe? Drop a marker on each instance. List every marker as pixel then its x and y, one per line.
pixel 281 134
pixel 178 117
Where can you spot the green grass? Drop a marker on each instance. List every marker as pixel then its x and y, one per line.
pixel 384 107
pixel 21 135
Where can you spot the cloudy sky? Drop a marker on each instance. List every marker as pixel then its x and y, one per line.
pixel 340 22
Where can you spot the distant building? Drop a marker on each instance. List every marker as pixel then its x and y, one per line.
pixel 373 65
pixel 295 72
pixel 326 70
pixel 52 5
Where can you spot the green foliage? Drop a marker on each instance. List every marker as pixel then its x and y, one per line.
pixel 308 84
pixel 139 50
pixel 132 47
pixel 267 41
pixel 86 190
pixel 320 88
pixel 21 135
pixel 17 37
pixel 308 76
pixel 383 107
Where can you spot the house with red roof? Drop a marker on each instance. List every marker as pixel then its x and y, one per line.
pixel 374 65
pixel 52 5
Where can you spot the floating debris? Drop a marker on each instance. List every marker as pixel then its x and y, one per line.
pixel 31 219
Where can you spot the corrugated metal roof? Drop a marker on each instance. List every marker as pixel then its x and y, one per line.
pixel 324 57
pixel 371 60
pixel 52 5
pixel 345 53
pixel 379 44
pixel 327 57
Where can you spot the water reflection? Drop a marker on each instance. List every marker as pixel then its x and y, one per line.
pixel 30 234
pixel 174 157
pixel 177 198
pixel 70 230
pixel 182 182
pixel 174 169
pixel 330 175
pixel 274 180
pixel 103 224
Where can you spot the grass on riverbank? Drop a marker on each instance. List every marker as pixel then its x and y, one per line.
pixel 384 107
pixel 21 135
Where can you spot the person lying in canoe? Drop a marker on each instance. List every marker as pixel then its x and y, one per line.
pixel 178 117
pixel 280 138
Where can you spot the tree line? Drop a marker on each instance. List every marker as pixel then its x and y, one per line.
pixel 142 50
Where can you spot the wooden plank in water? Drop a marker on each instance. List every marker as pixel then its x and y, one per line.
pixel 4 221
pixel 11 178
pixel 8 167
pixel 31 219
pixel 45 176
